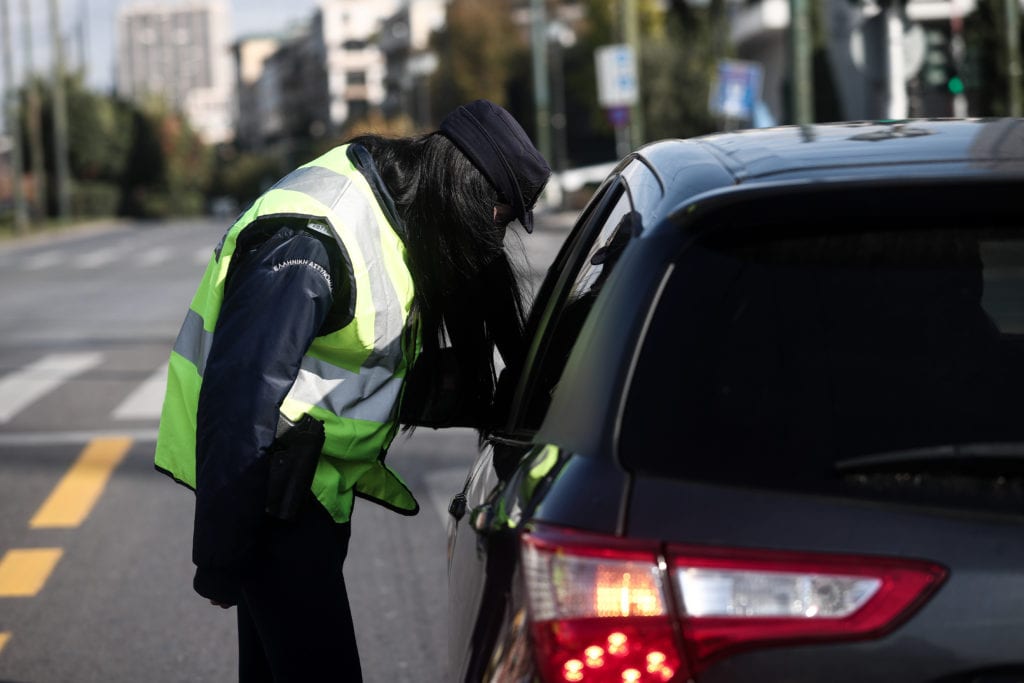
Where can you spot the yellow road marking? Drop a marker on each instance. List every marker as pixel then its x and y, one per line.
pixel 24 571
pixel 4 637
pixel 74 497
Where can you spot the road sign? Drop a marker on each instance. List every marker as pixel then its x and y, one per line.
pixel 616 76
pixel 737 89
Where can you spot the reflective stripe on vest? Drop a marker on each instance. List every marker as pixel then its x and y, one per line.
pixel 350 379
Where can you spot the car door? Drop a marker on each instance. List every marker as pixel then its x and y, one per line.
pixel 482 549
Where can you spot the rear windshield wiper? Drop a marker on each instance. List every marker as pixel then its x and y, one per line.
pixel 973 458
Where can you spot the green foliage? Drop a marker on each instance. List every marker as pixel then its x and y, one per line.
pixel 169 170
pixel 123 158
pixel 95 198
pixel 679 68
pixel 99 134
pixel 245 176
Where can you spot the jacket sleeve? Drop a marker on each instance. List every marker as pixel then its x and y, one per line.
pixel 277 297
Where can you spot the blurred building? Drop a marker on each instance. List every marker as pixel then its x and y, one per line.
pixel 179 52
pixel 405 42
pixel 250 54
pixel 346 33
pixel 871 45
pixel 352 58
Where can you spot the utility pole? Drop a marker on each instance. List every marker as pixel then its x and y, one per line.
pixel 800 55
pixel 1013 56
pixel 631 35
pixel 33 116
pixel 541 88
pixel 10 93
pixel 60 117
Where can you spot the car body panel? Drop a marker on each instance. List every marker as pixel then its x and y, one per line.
pixel 682 190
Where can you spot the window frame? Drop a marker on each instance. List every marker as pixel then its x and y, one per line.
pixel 549 305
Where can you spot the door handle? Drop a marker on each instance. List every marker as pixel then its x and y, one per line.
pixel 457 508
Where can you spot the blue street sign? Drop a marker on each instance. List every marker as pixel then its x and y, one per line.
pixel 737 89
pixel 616 76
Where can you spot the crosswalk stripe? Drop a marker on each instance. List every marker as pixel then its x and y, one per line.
pixel 24 571
pixel 23 387
pixel 202 257
pixel 146 400
pixel 154 257
pixel 73 498
pixel 45 259
pixel 96 259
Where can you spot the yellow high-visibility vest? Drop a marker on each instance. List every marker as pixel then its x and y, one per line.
pixel 351 379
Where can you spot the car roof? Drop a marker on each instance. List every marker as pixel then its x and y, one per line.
pixel 860 149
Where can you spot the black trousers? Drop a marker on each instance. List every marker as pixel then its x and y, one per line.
pixel 294 620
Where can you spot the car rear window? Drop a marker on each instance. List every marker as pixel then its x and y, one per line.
pixel 838 361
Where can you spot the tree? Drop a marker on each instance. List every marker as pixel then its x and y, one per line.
pixel 475 52
pixel 680 67
pixel 99 144
pixel 169 170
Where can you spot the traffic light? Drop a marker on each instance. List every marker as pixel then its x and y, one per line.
pixel 955 85
pixel 939 69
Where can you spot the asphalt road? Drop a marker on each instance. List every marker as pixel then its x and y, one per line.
pixel 95 570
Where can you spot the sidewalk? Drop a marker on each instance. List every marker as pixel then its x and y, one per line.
pixel 50 233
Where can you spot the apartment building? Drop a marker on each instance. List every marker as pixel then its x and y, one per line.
pixel 346 33
pixel 179 51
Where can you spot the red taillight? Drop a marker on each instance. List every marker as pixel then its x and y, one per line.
pixel 599 610
pixel 604 610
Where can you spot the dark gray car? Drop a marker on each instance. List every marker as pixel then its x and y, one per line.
pixel 770 425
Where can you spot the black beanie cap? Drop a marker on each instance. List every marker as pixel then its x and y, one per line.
pixel 502 151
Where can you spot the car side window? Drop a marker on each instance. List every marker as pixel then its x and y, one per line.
pixel 601 243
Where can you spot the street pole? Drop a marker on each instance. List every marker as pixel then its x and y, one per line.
pixel 631 32
pixel 559 144
pixel 897 105
pixel 33 116
pixel 800 54
pixel 541 89
pixel 60 117
pixel 1013 56
pixel 957 50
pixel 11 118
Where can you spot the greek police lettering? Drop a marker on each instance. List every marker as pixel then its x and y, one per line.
pixel 309 264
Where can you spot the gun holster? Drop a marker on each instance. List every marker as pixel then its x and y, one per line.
pixel 293 458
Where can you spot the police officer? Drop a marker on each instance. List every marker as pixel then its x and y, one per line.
pixel 313 310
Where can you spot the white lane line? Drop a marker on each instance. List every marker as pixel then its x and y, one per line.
pixel 146 400
pixel 29 439
pixel 23 387
pixel 442 484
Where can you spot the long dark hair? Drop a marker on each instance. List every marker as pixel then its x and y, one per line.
pixel 469 292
